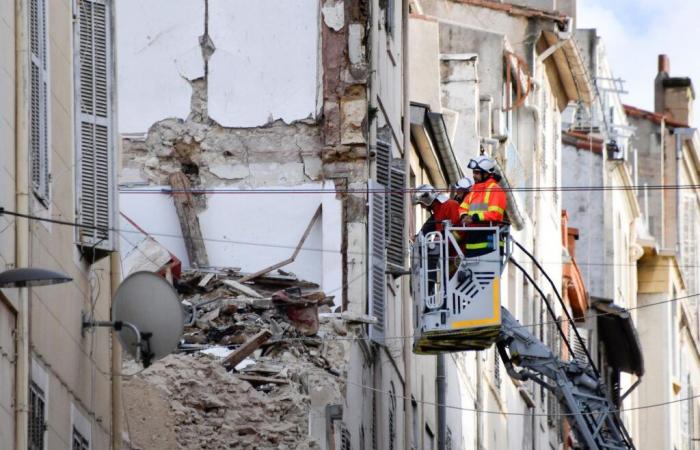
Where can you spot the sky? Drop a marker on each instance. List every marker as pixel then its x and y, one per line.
pixel 635 32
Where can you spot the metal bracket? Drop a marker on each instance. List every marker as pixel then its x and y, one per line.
pixel 143 353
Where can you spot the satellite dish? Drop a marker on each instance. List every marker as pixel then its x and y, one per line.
pixel 147 302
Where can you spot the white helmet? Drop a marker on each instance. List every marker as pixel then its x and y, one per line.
pixel 464 184
pixel 426 194
pixel 483 163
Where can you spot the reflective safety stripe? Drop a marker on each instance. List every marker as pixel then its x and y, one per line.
pixel 478 213
pixel 477 245
pixel 496 208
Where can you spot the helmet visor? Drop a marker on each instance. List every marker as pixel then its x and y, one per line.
pixel 473 165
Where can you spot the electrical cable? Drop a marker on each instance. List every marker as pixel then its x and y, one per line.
pixel 561 303
pixel 549 308
pixel 269 245
pixel 266 191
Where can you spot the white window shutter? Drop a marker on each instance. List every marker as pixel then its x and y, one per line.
pixel 95 131
pixel 397 217
pixel 39 93
pixel 377 260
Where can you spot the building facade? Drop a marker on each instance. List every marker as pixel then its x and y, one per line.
pixel 58 137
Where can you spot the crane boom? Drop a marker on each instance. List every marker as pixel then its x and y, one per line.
pixel 590 413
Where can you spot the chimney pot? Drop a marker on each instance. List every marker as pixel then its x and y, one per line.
pixel 664 64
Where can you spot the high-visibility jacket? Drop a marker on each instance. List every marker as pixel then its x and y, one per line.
pixel 486 200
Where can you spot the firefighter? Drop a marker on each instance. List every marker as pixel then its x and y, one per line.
pixel 441 208
pixel 462 188
pixel 484 205
pixel 440 205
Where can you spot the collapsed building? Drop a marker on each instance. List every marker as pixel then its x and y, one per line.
pixel 258 367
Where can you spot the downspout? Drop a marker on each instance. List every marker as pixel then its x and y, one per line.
pixel 441 396
pixel 406 304
pixel 22 224
pixel 115 279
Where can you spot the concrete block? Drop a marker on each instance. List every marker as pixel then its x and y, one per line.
pixel 353 113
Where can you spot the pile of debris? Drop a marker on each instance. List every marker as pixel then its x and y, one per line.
pixel 257 366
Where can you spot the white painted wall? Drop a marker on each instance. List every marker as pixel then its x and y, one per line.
pixel 158 51
pixel 256 73
pixel 249 230
pixel 260 73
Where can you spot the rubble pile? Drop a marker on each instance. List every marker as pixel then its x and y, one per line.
pixel 255 360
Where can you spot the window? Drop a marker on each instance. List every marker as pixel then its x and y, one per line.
pixel 38 100
pixel 377 261
pixel 80 442
pixel 390 174
pixel 94 134
pixel 37 415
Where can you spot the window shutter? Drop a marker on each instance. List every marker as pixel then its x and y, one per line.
pixel 377 260
pixel 94 137
pixel 579 349
pixel 397 218
pixel 39 88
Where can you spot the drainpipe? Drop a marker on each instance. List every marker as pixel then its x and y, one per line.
pixel 115 279
pixel 680 134
pixel 406 304
pixel 22 224
pixel 441 396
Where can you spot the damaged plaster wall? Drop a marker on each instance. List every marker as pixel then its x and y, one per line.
pixel 158 54
pixel 232 138
pixel 255 74
pixel 250 231
pixel 261 73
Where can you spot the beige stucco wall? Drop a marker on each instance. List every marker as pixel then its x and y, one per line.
pixel 78 368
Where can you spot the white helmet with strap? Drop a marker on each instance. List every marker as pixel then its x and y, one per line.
pixel 464 184
pixel 483 163
pixel 426 194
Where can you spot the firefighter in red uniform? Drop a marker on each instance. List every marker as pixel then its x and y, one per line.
pixel 484 206
pixel 440 205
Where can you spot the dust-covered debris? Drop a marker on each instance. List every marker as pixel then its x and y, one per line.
pixel 267 399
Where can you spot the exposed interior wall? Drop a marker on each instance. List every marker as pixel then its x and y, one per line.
pixel 255 74
pixel 249 231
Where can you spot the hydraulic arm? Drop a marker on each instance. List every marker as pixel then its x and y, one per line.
pixel 591 415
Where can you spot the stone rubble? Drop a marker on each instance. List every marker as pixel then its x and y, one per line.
pixel 267 401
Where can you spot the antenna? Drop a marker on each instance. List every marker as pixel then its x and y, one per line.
pixel 147 315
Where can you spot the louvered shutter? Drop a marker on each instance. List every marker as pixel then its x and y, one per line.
pixel 579 347
pixel 94 138
pixel 397 217
pixel 38 106
pixel 377 260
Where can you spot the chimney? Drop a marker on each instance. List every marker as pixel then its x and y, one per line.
pixel 664 65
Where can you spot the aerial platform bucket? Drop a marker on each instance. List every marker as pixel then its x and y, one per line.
pixel 456 291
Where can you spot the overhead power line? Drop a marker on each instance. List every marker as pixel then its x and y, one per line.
pixel 264 191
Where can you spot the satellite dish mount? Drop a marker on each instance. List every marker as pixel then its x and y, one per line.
pixel 147 316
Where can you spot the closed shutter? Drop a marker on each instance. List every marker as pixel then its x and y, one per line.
pixel 377 260
pixel 38 105
pixel 397 216
pixel 578 346
pixel 94 137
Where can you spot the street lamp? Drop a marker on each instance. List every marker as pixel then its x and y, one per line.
pixel 31 277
